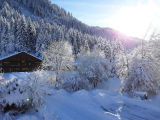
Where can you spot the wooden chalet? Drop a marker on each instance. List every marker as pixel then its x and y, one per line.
pixel 19 62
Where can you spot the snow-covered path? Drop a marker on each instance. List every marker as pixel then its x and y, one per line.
pixel 99 105
pixel 79 106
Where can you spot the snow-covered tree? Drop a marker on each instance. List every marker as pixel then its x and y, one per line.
pixel 1 23
pixel 58 57
pixel 84 48
pixel 31 36
pixel 39 44
pixel 40 40
pixel 5 11
pixel 143 71
pixel 21 43
pixel 5 39
pixel 94 67
pixel 121 60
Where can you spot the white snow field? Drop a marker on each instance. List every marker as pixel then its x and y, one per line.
pixel 98 104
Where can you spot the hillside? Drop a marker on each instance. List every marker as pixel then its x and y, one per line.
pixel 26 27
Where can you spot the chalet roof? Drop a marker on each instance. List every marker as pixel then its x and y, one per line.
pixel 16 53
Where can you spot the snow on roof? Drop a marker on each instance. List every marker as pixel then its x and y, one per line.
pixel 10 55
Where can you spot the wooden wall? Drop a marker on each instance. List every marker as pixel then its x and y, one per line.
pixel 21 62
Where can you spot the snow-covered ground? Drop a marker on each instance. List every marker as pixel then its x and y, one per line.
pixel 20 75
pixel 98 104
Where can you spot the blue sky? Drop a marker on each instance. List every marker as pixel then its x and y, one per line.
pixel 123 15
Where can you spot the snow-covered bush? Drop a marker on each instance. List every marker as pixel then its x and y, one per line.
pixel 13 95
pixel 74 82
pixel 43 77
pixel 2 86
pixel 94 67
pixel 1 74
pixel 37 87
pixel 23 94
pixel 7 117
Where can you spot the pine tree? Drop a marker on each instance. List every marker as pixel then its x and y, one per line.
pixel 5 39
pixel 31 36
pixel 121 62
pixel 84 47
pixel 5 12
pixel 1 24
pixel 22 35
pixel 11 46
pixel 40 41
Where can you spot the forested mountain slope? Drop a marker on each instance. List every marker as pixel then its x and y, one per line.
pixel 31 25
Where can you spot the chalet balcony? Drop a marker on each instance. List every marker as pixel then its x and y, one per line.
pixel 18 66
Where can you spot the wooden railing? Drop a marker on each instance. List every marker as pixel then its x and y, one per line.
pixel 17 66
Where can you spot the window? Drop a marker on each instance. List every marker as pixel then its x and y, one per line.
pixel 23 60
pixel 24 69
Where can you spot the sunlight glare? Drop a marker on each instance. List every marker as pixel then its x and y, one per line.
pixel 134 21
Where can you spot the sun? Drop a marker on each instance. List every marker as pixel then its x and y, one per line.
pixel 134 21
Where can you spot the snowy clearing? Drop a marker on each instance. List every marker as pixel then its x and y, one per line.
pixel 98 104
